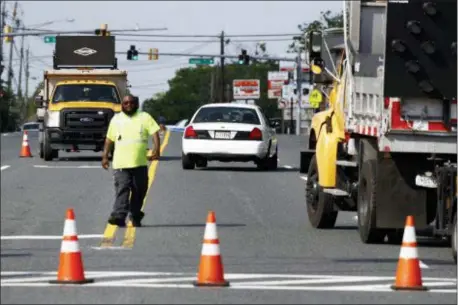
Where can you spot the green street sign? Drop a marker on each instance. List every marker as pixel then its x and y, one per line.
pixel 50 39
pixel 201 61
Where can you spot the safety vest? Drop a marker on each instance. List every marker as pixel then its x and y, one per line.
pixel 130 135
pixel 315 98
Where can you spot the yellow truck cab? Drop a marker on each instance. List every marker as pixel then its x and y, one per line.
pixel 78 101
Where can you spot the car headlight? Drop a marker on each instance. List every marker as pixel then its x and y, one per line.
pixel 53 119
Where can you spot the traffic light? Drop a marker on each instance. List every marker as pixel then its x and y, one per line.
pixel 244 59
pixel 153 54
pixel 8 30
pixel 132 53
pixel 102 31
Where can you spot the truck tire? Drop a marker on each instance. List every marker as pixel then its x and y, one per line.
pixel 366 205
pixel 40 151
pixel 454 237
pixel 47 151
pixel 320 206
pixel 55 153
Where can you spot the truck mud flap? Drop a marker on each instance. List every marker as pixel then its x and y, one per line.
pixel 396 193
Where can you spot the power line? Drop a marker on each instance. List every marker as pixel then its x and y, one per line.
pixel 191 41
pixel 206 36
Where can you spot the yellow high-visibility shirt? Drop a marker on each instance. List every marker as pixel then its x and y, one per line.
pixel 130 135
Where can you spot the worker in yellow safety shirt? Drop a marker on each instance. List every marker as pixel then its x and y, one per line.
pixel 129 131
pixel 315 99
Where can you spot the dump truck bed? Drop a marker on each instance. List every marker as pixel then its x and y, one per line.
pixel 402 84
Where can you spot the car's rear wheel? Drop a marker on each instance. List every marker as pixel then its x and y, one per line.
pixel 268 163
pixel 201 163
pixel 273 161
pixel 187 162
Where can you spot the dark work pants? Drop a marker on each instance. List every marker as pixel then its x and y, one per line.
pixel 128 181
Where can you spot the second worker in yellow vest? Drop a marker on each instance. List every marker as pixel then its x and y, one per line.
pixel 129 132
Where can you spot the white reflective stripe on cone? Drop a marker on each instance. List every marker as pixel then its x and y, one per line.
pixel 69 246
pixel 408 252
pixel 409 235
pixel 210 231
pixel 70 228
pixel 210 249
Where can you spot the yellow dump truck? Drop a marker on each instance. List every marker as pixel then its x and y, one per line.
pixel 80 95
pixel 386 147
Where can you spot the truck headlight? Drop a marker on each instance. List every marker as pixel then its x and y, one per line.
pixel 53 119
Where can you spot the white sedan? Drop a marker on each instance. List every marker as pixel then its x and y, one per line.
pixel 229 133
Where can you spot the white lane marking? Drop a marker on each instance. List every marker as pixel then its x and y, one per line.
pixel 178 280
pixel 47 237
pixel 311 281
pixel 4 167
pixel 287 166
pixel 423 265
pixel 67 166
pixel 303 178
pixel 362 288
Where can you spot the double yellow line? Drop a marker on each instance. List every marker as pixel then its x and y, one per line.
pixel 129 236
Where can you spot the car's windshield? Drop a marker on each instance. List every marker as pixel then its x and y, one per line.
pixel 86 92
pixel 30 126
pixel 227 115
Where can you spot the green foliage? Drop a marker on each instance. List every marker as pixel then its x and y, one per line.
pixel 327 20
pixel 8 119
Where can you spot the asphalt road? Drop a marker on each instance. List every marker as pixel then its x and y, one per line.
pixel 270 253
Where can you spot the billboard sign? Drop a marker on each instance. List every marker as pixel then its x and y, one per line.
pixel 246 89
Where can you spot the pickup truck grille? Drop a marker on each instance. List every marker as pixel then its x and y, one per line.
pixel 86 119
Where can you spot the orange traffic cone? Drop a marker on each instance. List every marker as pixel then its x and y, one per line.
pixel 71 269
pixel 25 149
pixel 408 274
pixel 211 271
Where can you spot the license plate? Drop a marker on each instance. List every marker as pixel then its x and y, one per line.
pixel 222 135
pixel 425 181
pixel 420 125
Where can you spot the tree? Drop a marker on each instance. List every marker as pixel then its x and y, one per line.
pixel 327 20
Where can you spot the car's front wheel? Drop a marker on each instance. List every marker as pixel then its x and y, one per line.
pixel 187 162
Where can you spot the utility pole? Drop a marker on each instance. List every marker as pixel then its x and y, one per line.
pixel 212 87
pixel 21 63
pixel 26 93
pixel 299 93
pixel 27 75
pixel 2 23
pixel 223 87
pixel 10 65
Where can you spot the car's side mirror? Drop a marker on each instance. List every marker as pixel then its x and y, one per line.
pixel 39 101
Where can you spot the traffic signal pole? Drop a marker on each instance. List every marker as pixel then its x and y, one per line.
pixel 50 32
pixel 223 87
pixel 216 56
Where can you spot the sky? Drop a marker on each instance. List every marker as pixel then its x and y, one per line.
pixel 179 17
